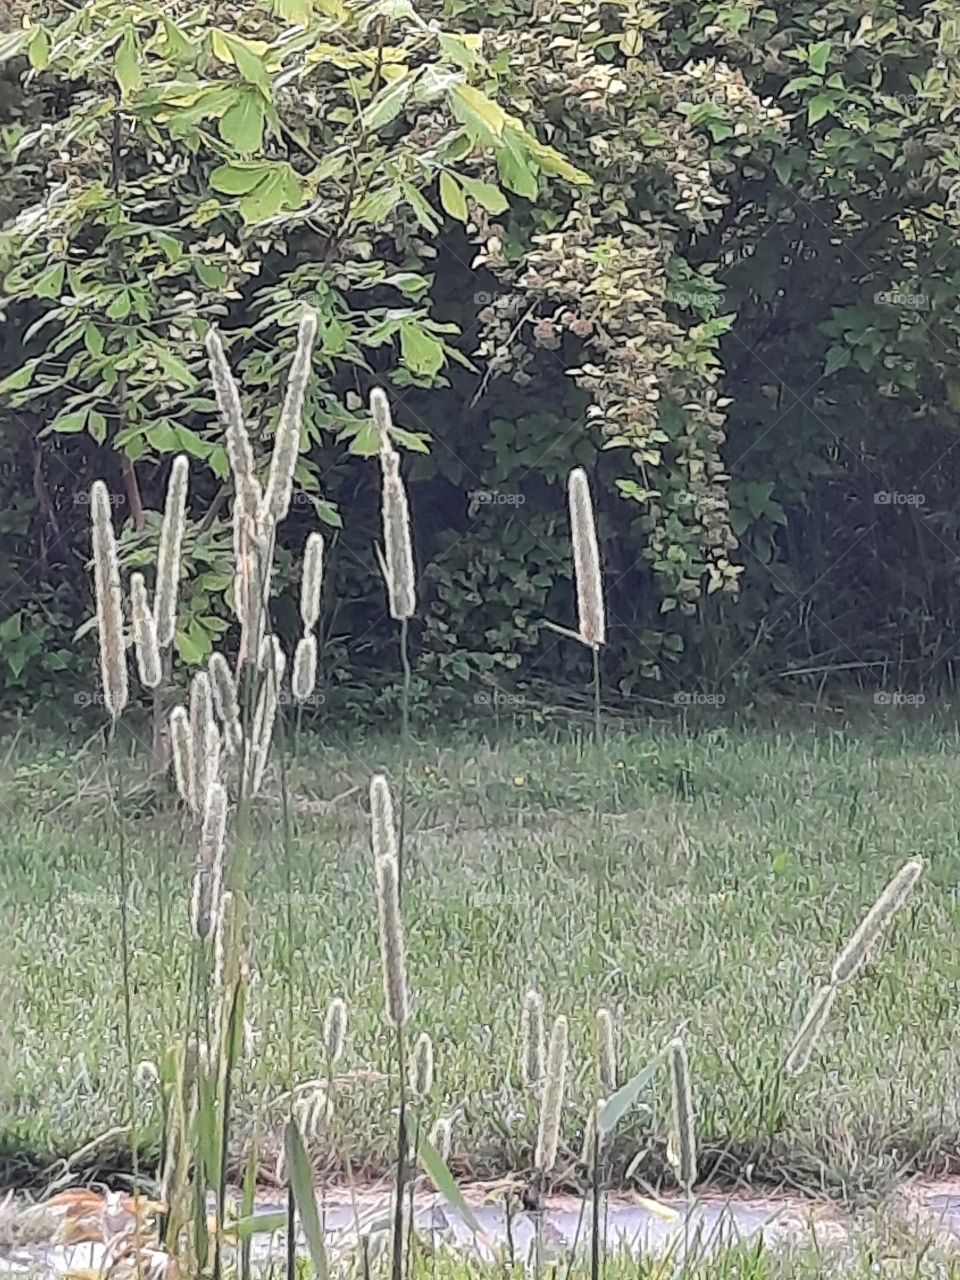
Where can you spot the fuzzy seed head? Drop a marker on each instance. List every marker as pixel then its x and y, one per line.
pixel 421 1066
pixel 586 560
pixel 606 1051
pixel 875 922
pixel 208 877
pixel 397 542
pixel 684 1119
pixel 551 1102
pixel 144 634
pixel 205 736
pixel 392 948
pixel 811 1029
pixel 533 1041
pixel 383 826
pixel 312 581
pixel 224 690
pixel 304 679
pixel 239 450
pixel 286 445
pixel 335 1029
pixel 181 741
pixel 593 1135
pixel 169 552
pixel 382 417
pixel 106 577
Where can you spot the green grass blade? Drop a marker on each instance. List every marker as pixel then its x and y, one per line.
pixel 301 1180
pixel 441 1177
pixel 617 1106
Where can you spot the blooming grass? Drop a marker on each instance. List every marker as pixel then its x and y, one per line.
pixel 724 904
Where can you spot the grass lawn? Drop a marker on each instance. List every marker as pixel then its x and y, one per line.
pixel 701 881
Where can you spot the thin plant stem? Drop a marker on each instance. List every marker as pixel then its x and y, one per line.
pixel 396 1259
pixel 596 695
pixel 405 739
pixel 125 965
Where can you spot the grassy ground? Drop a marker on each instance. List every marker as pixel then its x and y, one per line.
pixel 699 881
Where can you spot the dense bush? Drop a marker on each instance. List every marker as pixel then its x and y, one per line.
pixel 706 250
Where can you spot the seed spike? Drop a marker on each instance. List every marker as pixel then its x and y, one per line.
pixel 286 445
pixel 586 559
pixel 144 634
pixel 109 598
pixel 392 947
pixel 551 1103
pixel 170 551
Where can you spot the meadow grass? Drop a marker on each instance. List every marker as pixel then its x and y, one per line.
pixel 698 882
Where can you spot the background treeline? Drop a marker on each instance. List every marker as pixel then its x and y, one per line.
pixel 707 251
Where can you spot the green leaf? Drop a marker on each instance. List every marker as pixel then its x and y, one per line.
pixel 242 125
pixel 20 378
pixel 239 178
pixel 421 352
pixel 301 1183
pixel 818 107
pixel 279 188
pixel 97 426
pixel 452 197
pixel 483 118
pixel 366 442
pixel 11 628
pixel 617 1106
pixel 389 102
pixel 170 245
pixel 837 358
pixel 486 194
pixel 38 50
pixel 818 55
pixel 174 368
pixel 70 423
pixel 50 283
pixel 245 56
pixel 783 167
pixel 441 1177
pixel 126 66
pixel 92 339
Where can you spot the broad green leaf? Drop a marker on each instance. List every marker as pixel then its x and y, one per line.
pixel 280 187
pixel 421 352
pixel 126 66
pixel 413 440
pixel 441 1177
pixel 484 118
pixel 70 423
pixel 486 194
pixel 170 245
pixel 242 125
pixel 246 56
pixel 301 1182
pixel 178 46
pixel 817 58
pixel 818 107
pixel 20 378
pixel 93 339
pixel 38 50
pixel 617 1106
pixel 452 197
pixel 238 178
pixel 837 358
pixel 50 284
